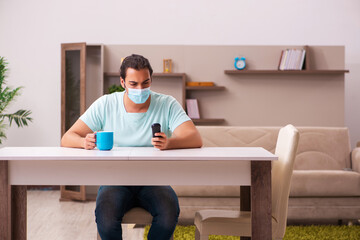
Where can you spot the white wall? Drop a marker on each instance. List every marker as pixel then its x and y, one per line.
pixel 31 33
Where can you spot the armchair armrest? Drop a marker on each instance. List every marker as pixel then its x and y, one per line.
pixel 355 159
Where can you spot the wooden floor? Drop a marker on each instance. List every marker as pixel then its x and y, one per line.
pixel 50 219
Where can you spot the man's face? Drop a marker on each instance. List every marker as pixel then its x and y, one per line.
pixel 137 79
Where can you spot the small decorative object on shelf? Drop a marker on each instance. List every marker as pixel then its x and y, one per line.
pixel 167 65
pixel 197 84
pixel 192 108
pixel 240 63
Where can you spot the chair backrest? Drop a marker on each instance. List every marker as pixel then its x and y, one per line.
pixel 281 173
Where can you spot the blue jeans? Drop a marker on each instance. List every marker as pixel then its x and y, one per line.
pixel 113 202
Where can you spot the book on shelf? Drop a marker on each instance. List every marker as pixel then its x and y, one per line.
pixel 292 59
pixel 192 108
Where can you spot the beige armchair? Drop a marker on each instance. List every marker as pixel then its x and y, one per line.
pixel 238 223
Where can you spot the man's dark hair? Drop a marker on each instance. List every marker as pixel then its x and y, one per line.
pixel 136 62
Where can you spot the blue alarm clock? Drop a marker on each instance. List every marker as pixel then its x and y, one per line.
pixel 240 63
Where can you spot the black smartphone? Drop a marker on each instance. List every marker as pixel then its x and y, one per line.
pixel 156 127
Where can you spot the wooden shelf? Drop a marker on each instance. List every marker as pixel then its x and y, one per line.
pixel 117 74
pixel 168 74
pixel 207 88
pixel 208 120
pixel 288 72
pixel 111 74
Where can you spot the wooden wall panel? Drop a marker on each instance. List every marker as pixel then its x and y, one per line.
pixel 252 100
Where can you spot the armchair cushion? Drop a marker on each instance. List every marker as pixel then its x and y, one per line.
pixel 310 183
pixel 207 191
pixel 322 148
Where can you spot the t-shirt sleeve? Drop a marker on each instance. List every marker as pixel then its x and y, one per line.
pixel 177 115
pixel 94 117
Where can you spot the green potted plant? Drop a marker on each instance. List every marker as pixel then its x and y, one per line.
pixel 115 88
pixel 7 95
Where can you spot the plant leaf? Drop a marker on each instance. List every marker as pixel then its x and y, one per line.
pixel 21 117
pixel 3 71
pixel 2 131
pixel 6 96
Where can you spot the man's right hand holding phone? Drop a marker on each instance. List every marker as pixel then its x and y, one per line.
pixel 159 139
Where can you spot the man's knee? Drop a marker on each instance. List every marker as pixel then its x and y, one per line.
pixel 168 215
pixel 164 204
pixel 109 227
pixel 168 221
pixel 109 212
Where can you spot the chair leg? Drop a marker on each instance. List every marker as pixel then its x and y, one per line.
pixel 198 235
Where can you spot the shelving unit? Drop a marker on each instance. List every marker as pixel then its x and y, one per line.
pixel 306 71
pixel 285 72
pixel 183 75
pixel 173 76
pixel 170 76
pixel 117 74
pixel 319 87
pixel 205 88
pixel 206 121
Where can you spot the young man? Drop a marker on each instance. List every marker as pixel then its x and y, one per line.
pixel 130 115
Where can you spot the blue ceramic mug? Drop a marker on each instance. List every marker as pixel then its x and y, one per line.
pixel 104 140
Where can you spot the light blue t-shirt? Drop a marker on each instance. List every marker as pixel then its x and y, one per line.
pixel 134 129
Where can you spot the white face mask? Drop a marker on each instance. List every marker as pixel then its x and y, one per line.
pixel 138 96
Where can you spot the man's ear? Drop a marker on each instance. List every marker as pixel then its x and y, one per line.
pixel 122 82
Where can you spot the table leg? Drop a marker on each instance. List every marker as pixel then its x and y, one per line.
pixel 18 212
pixel 245 202
pixel 5 202
pixel 12 207
pixel 261 200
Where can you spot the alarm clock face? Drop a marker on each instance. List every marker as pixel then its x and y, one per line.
pixel 240 63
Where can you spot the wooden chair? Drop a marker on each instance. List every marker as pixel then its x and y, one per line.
pixel 238 223
pixel 136 216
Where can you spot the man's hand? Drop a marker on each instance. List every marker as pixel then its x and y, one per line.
pixel 79 136
pixel 160 141
pixel 184 136
pixel 89 141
